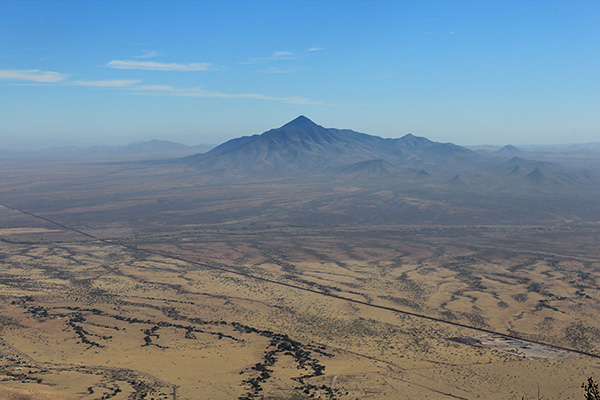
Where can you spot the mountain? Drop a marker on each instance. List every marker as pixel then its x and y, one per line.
pixel 544 172
pixel 137 150
pixel 369 169
pixel 591 147
pixel 510 151
pixel 301 147
pixel 306 150
pixel 456 181
pixel 145 148
pixel 148 147
pixel 527 163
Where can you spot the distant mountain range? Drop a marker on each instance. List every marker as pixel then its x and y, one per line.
pixel 305 175
pixel 303 148
pixel 136 150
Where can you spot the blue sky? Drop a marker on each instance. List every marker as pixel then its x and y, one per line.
pixel 469 72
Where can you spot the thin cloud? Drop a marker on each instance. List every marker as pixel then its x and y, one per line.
pixel 273 70
pixel 107 83
pixel 198 92
pixel 156 66
pixel 149 54
pixel 316 48
pixel 275 56
pixel 156 88
pixel 282 55
pixel 31 75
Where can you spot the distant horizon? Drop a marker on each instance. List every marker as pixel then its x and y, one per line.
pixel 37 145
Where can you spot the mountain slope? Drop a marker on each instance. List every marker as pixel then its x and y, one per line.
pixel 302 146
pixel 369 169
pixel 509 151
pixel 306 150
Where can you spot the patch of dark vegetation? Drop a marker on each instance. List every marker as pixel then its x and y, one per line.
pixel 142 389
pixel 402 302
pixel 476 319
pixel 302 354
pixel 312 285
pixel 20 377
pixel 150 333
pixel 417 290
pixel 544 304
pixel 82 333
pixel 448 315
pixel 38 312
pixel 546 325
pixel 581 293
pixel 114 390
pixel 582 336
pixel 280 344
pixel 538 288
pixel 520 297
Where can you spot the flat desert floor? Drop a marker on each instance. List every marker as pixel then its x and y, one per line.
pixel 103 309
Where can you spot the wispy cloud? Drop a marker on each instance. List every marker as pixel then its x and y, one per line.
pixel 274 70
pixel 198 92
pixel 282 55
pixel 133 86
pixel 107 83
pixel 275 56
pixel 156 66
pixel 316 48
pixel 156 88
pixel 31 75
pixel 149 54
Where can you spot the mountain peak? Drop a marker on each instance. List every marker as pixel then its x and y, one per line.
pixel 301 146
pixel 411 140
pixel 509 150
pixel 299 122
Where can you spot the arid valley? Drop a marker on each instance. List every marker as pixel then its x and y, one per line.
pixel 165 279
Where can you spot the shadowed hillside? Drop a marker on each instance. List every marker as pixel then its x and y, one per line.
pixel 301 147
pixel 304 175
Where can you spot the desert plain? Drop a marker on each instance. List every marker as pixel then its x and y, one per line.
pixel 155 283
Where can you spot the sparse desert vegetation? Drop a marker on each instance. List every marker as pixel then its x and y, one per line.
pixel 280 312
pixel 160 280
pixel 19 394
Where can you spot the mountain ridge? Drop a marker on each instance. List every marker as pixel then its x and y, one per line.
pixel 302 146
